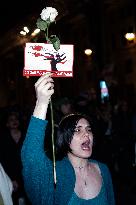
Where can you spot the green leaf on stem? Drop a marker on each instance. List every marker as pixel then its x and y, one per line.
pixel 55 41
pixel 42 25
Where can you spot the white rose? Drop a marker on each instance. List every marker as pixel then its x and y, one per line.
pixel 49 12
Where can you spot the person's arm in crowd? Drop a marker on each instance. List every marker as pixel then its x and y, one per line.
pixel 6 187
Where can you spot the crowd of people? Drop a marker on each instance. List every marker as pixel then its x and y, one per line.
pixel 113 154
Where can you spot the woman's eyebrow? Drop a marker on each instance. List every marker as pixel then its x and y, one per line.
pixel 78 126
pixel 82 126
pixel 88 126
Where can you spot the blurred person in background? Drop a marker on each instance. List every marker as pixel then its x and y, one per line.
pixel 123 141
pixel 11 140
pixel 63 106
pixel 6 188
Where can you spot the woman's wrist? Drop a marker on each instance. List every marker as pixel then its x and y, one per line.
pixel 40 110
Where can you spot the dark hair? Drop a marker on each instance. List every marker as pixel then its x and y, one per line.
pixel 65 132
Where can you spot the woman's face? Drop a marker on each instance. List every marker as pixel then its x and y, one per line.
pixel 13 122
pixel 82 141
pixel 66 108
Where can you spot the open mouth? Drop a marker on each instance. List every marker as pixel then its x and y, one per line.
pixel 86 145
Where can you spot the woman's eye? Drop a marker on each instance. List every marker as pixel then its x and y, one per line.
pixel 89 130
pixel 77 130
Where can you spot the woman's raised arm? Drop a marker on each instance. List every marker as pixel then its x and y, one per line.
pixel 44 88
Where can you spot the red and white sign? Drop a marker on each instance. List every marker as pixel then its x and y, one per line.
pixel 41 58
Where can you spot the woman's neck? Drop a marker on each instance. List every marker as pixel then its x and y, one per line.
pixel 14 131
pixel 78 163
pixel 15 134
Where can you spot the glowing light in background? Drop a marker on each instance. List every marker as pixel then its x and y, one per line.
pixel 104 90
pixel 23 33
pixel 36 31
pixel 130 36
pixel 88 52
pixel 26 29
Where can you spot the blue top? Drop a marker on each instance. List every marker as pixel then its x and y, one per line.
pixel 99 199
pixel 38 174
